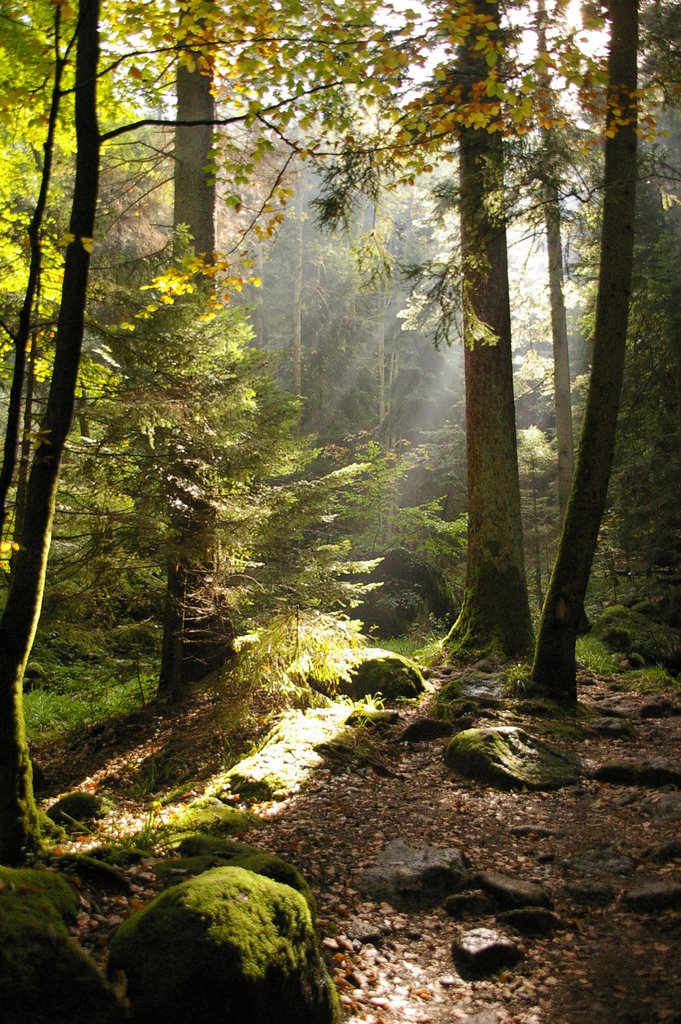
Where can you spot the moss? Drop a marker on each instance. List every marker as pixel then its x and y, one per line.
pixel 391 675
pixel 631 632
pixel 92 870
pixel 198 844
pixel 228 946
pixel 45 977
pixel 210 815
pixel 76 811
pixel 494 617
pixel 121 856
pixel 45 886
pixel 510 758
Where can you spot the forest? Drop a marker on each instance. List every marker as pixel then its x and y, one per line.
pixel 340 518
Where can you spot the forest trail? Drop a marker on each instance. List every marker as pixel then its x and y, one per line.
pixel 608 855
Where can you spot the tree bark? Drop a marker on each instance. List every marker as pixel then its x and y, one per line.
pixel 19 830
pixel 495 614
pixel 554 670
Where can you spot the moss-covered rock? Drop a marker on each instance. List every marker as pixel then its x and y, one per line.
pixel 210 815
pixel 509 758
pixel 386 673
pixel 76 811
pixel 227 947
pixel 410 591
pixel 632 632
pixel 45 977
pixel 94 870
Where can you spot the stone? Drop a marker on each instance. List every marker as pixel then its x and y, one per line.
pixel 658 773
pixel 631 632
pixel 484 951
pixel 540 831
pixel 588 892
pixel 602 861
pixel 665 852
pixel 383 672
pixel 511 891
pixel 209 814
pixel 660 708
pixel 531 920
pixel 617 773
pixel 468 904
pixel 424 729
pixel 363 931
pixel 45 976
pixel 653 774
pixel 663 806
pixel 614 728
pixel 652 895
pixel 227 947
pixel 76 811
pixel 509 758
pixel 404 873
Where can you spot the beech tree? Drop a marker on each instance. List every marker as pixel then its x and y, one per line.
pixel 553 669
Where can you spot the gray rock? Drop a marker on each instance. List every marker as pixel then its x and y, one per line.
pixel 509 758
pixel 661 708
pixel 540 831
pixel 363 931
pixel 531 920
pixel 668 851
pixel 468 904
pixel 424 729
pixel 602 861
pixel 659 773
pixel 513 892
pixel 482 952
pixel 617 773
pixel 656 894
pixel 406 873
pixel 587 892
pixel 614 728
pixel 663 806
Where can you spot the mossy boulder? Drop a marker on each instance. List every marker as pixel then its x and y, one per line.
pixel 77 811
pixel 198 856
pixel 509 758
pixel 632 632
pixel 410 591
pixel 45 977
pixel 210 815
pixel 227 947
pixel 379 671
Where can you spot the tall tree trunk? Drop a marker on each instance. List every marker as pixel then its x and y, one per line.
pixel 495 614
pixel 19 832
pixel 197 636
pixel 297 316
pixel 554 662
pixel 561 358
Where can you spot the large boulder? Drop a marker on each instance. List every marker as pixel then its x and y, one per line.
pixel 410 591
pixel 507 757
pixel 379 671
pixel 406 874
pixel 227 947
pixel 77 811
pixel 631 632
pixel 45 976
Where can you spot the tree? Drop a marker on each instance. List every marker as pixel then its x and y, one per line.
pixel 553 669
pixel 495 613
pixel 19 831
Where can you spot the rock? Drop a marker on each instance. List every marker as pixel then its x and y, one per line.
pixel 228 947
pixel 363 931
pixel 541 831
pixel 208 814
pixel 602 861
pixel 482 952
pixel 404 873
pixel 93 870
pixel 509 758
pixel 663 806
pixel 657 894
pixel 513 892
pixel 383 672
pixel 660 708
pixel 468 904
pixel 45 976
pixel 590 893
pixel 653 774
pixel 424 729
pixel 411 590
pixel 631 632
pixel 76 811
pixel 618 773
pixel 615 728
pixel 666 852
pixel 531 920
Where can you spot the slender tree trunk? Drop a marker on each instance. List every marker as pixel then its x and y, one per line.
pixel 380 356
pixel 554 663
pixel 495 614
pixel 561 358
pixel 19 831
pixel 297 319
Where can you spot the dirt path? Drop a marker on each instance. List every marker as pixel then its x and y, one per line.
pixel 589 845
pixel 607 963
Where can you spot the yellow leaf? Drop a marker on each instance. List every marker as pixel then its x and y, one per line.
pixel 87 244
pixel 66 238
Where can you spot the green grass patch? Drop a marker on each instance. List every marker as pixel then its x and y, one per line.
pixel 596 655
pixel 425 651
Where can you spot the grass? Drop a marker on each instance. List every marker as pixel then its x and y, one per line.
pixel 597 656
pixel 425 650
pixel 51 713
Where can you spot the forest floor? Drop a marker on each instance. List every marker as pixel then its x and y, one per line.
pixel 614 956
